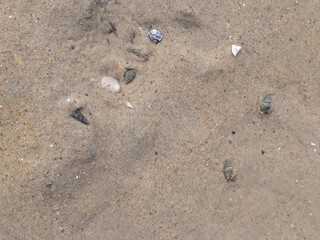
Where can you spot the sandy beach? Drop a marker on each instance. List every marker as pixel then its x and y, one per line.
pixel 155 171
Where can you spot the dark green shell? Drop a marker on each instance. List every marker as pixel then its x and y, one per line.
pixel 228 171
pixel 266 104
pixel 129 75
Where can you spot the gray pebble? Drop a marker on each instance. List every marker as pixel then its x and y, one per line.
pixel 55 208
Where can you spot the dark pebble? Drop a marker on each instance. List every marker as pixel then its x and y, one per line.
pixel 79 116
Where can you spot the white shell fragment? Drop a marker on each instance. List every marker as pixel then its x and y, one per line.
pixel 128 104
pixel 236 49
pixel 111 83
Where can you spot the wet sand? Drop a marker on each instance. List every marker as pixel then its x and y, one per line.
pixel 155 171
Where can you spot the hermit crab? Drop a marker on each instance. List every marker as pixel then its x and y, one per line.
pixel 228 171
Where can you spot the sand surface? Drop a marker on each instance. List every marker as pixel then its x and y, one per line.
pixel 155 171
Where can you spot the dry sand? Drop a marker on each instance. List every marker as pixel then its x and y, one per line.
pixel 155 171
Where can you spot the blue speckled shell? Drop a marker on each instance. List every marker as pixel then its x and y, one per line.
pixel 155 35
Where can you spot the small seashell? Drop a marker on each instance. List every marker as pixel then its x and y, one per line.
pixel 236 49
pixel 128 104
pixel 266 104
pixel 155 36
pixel 129 75
pixel 111 83
pixel 228 171
pixel 79 116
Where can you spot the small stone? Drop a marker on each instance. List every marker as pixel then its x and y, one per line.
pixel 266 104
pixel 129 75
pixel 55 208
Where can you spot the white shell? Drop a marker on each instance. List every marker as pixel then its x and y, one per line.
pixel 128 104
pixel 111 83
pixel 236 49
